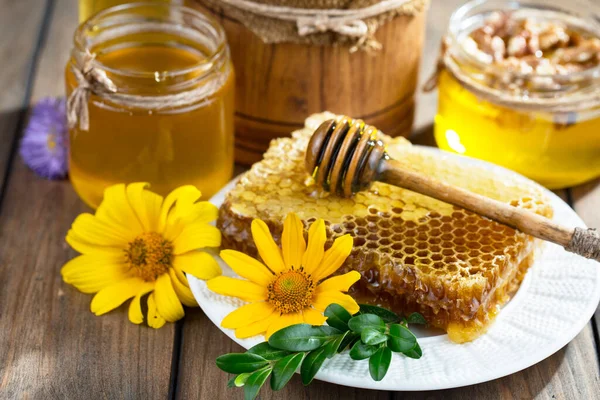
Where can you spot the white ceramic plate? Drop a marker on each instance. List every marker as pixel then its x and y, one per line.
pixel 557 298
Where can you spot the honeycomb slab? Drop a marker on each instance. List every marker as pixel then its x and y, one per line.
pixel 414 253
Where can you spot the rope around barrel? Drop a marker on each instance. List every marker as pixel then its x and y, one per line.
pixel 345 22
pixel 93 80
pixel 277 24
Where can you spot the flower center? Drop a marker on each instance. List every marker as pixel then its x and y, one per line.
pixel 291 291
pixel 149 255
pixel 51 141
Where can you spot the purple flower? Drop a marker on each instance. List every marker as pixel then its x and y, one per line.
pixel 44 146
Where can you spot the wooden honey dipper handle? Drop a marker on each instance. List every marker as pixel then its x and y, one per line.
pixel 345 156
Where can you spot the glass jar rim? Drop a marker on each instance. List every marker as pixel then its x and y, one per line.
pixel 456 29
pixel 205 66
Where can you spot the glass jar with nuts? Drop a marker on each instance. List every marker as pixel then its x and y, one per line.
pixel 519 85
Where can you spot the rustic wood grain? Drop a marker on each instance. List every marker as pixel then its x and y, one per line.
pixel 21 31
pixel 586 201
pixel 51 345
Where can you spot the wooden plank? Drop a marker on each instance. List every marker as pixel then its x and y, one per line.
pixel 586 201
pixel 51 345
pixel 21 25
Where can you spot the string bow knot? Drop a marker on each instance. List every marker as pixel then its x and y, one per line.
pixel 354 28
pixel 89 80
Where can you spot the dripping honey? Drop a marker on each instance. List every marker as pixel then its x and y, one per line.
pixel 191 144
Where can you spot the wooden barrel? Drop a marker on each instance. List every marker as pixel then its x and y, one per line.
pixel 279 85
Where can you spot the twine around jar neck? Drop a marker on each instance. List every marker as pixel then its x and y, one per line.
pixel 345 22
pixel 93 80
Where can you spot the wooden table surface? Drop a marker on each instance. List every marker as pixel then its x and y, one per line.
pixel 52 347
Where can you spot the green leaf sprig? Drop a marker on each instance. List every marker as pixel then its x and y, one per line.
pixel 373 333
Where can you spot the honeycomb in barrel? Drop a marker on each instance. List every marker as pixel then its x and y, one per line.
pixel 414 253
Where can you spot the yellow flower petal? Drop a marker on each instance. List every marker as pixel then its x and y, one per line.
pixel 167 303
pixel 340 283
pixel 134 197
pixel 181 276
pixel 183 292
pixel 154 319
pixel 177 204
pixel 135 309
pixel 92 230
pixel 113 296
pixel 146 205
pixel 84 247
pixel 187 191
pixel 197 263
pixel 202 212
pixel 268 250
pixel 323 299
pixel 292 241
pixel 247 267
pixel 247 314
pixel 316 243
pixel 197 236
pixel 116 210
pixel 237 288
pixel 256 328
pixel 313 317
pixel 184 204
pixel 90 274
pixel 283 321
pixel 334 257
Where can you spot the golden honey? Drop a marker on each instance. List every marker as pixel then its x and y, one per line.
pixel 557 153
pixel 539 116
pixel 414 253
pixel 187 144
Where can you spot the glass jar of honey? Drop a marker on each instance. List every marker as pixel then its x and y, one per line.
pixel 151 97
pixel 519 87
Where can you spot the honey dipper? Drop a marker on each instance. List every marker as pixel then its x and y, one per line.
pixel 345 156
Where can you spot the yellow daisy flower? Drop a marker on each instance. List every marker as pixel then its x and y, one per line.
pixel 291 288
pixel 140 244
